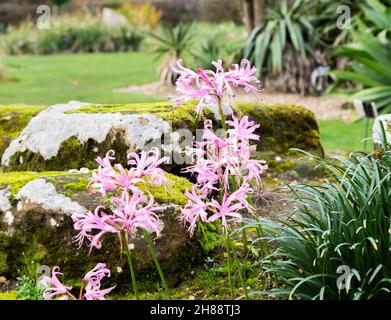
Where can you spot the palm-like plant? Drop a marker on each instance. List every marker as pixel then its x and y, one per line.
pixel 287 27
pixel 215 48
pixel 172 43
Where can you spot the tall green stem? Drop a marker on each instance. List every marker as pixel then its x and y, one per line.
pixel 155 259
pixel 260 232
pixel 239 267
pixel 221 112
pixel 231 285
pixel 244 234
pixel 128 254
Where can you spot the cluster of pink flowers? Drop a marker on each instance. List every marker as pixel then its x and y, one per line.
pixel 218 160
pixel 132 209
pixel 145 168
pixel 222 164
pixel 91 282
pixel 209 86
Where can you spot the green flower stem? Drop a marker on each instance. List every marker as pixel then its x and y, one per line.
pixel 260 232
pixel 155 259
pixel 128 254
pixel 221 112
pixel 244 234
pixel 244 239
pixel 239 267
pixel 81 289
pixel 231 285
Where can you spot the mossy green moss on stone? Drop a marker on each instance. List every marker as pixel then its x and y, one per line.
pixel 283 127
pixel 181 117
pixel 13 118
pixel 72 183
pixel 9 295
pixel 14 181
pixel 72 154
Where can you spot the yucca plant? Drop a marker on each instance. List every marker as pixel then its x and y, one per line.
pixel 328 13
pixel 172 42
pixel 287 26
pixel 215 48
pixel 337 243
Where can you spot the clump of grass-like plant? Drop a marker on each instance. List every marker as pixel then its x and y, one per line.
pixel 337 245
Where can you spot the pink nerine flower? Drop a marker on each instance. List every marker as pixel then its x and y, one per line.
pixel 229 208
pixel 146 169
pixel 219 158
pixel 147 166
pixel 93 279
pixel 109 178
pixel 93 226
pixel 92 289
pixel 228 211
pixel 55 288
pixel 209 86
pixel 137 212
pixel 132 212
pixel 242 129
pixel 194 210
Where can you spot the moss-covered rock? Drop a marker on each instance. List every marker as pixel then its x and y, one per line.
pixel 72 135
pixel 283 127
pixel 38 227
pixel 13 119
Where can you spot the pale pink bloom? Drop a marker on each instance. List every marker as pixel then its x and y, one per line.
pixel 229 208
pixel 97 274
pixel 146 169
pixel 192 86
pixel 209 86
pixel 93 279
pixel 217 158
pixel 109 178
pixel 207 176
pixel 211 138
pixel 243 75
pixel 137 212
pixel 194 210
pixel 147 165
pixel 93 226
pixel 55 288
pixel 254 168
pixel 242 129
pixel 132 212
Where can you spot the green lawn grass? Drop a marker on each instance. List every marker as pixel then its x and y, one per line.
pixel 86 77
pixel 47 80
pixel 339 135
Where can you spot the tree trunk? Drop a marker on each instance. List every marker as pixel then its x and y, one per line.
pixel 253 13
pixel 259 12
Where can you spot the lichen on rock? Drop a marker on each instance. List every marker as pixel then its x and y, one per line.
pixel 13 119
pixel 49 130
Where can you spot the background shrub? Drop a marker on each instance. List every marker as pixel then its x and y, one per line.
pixel 71 35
